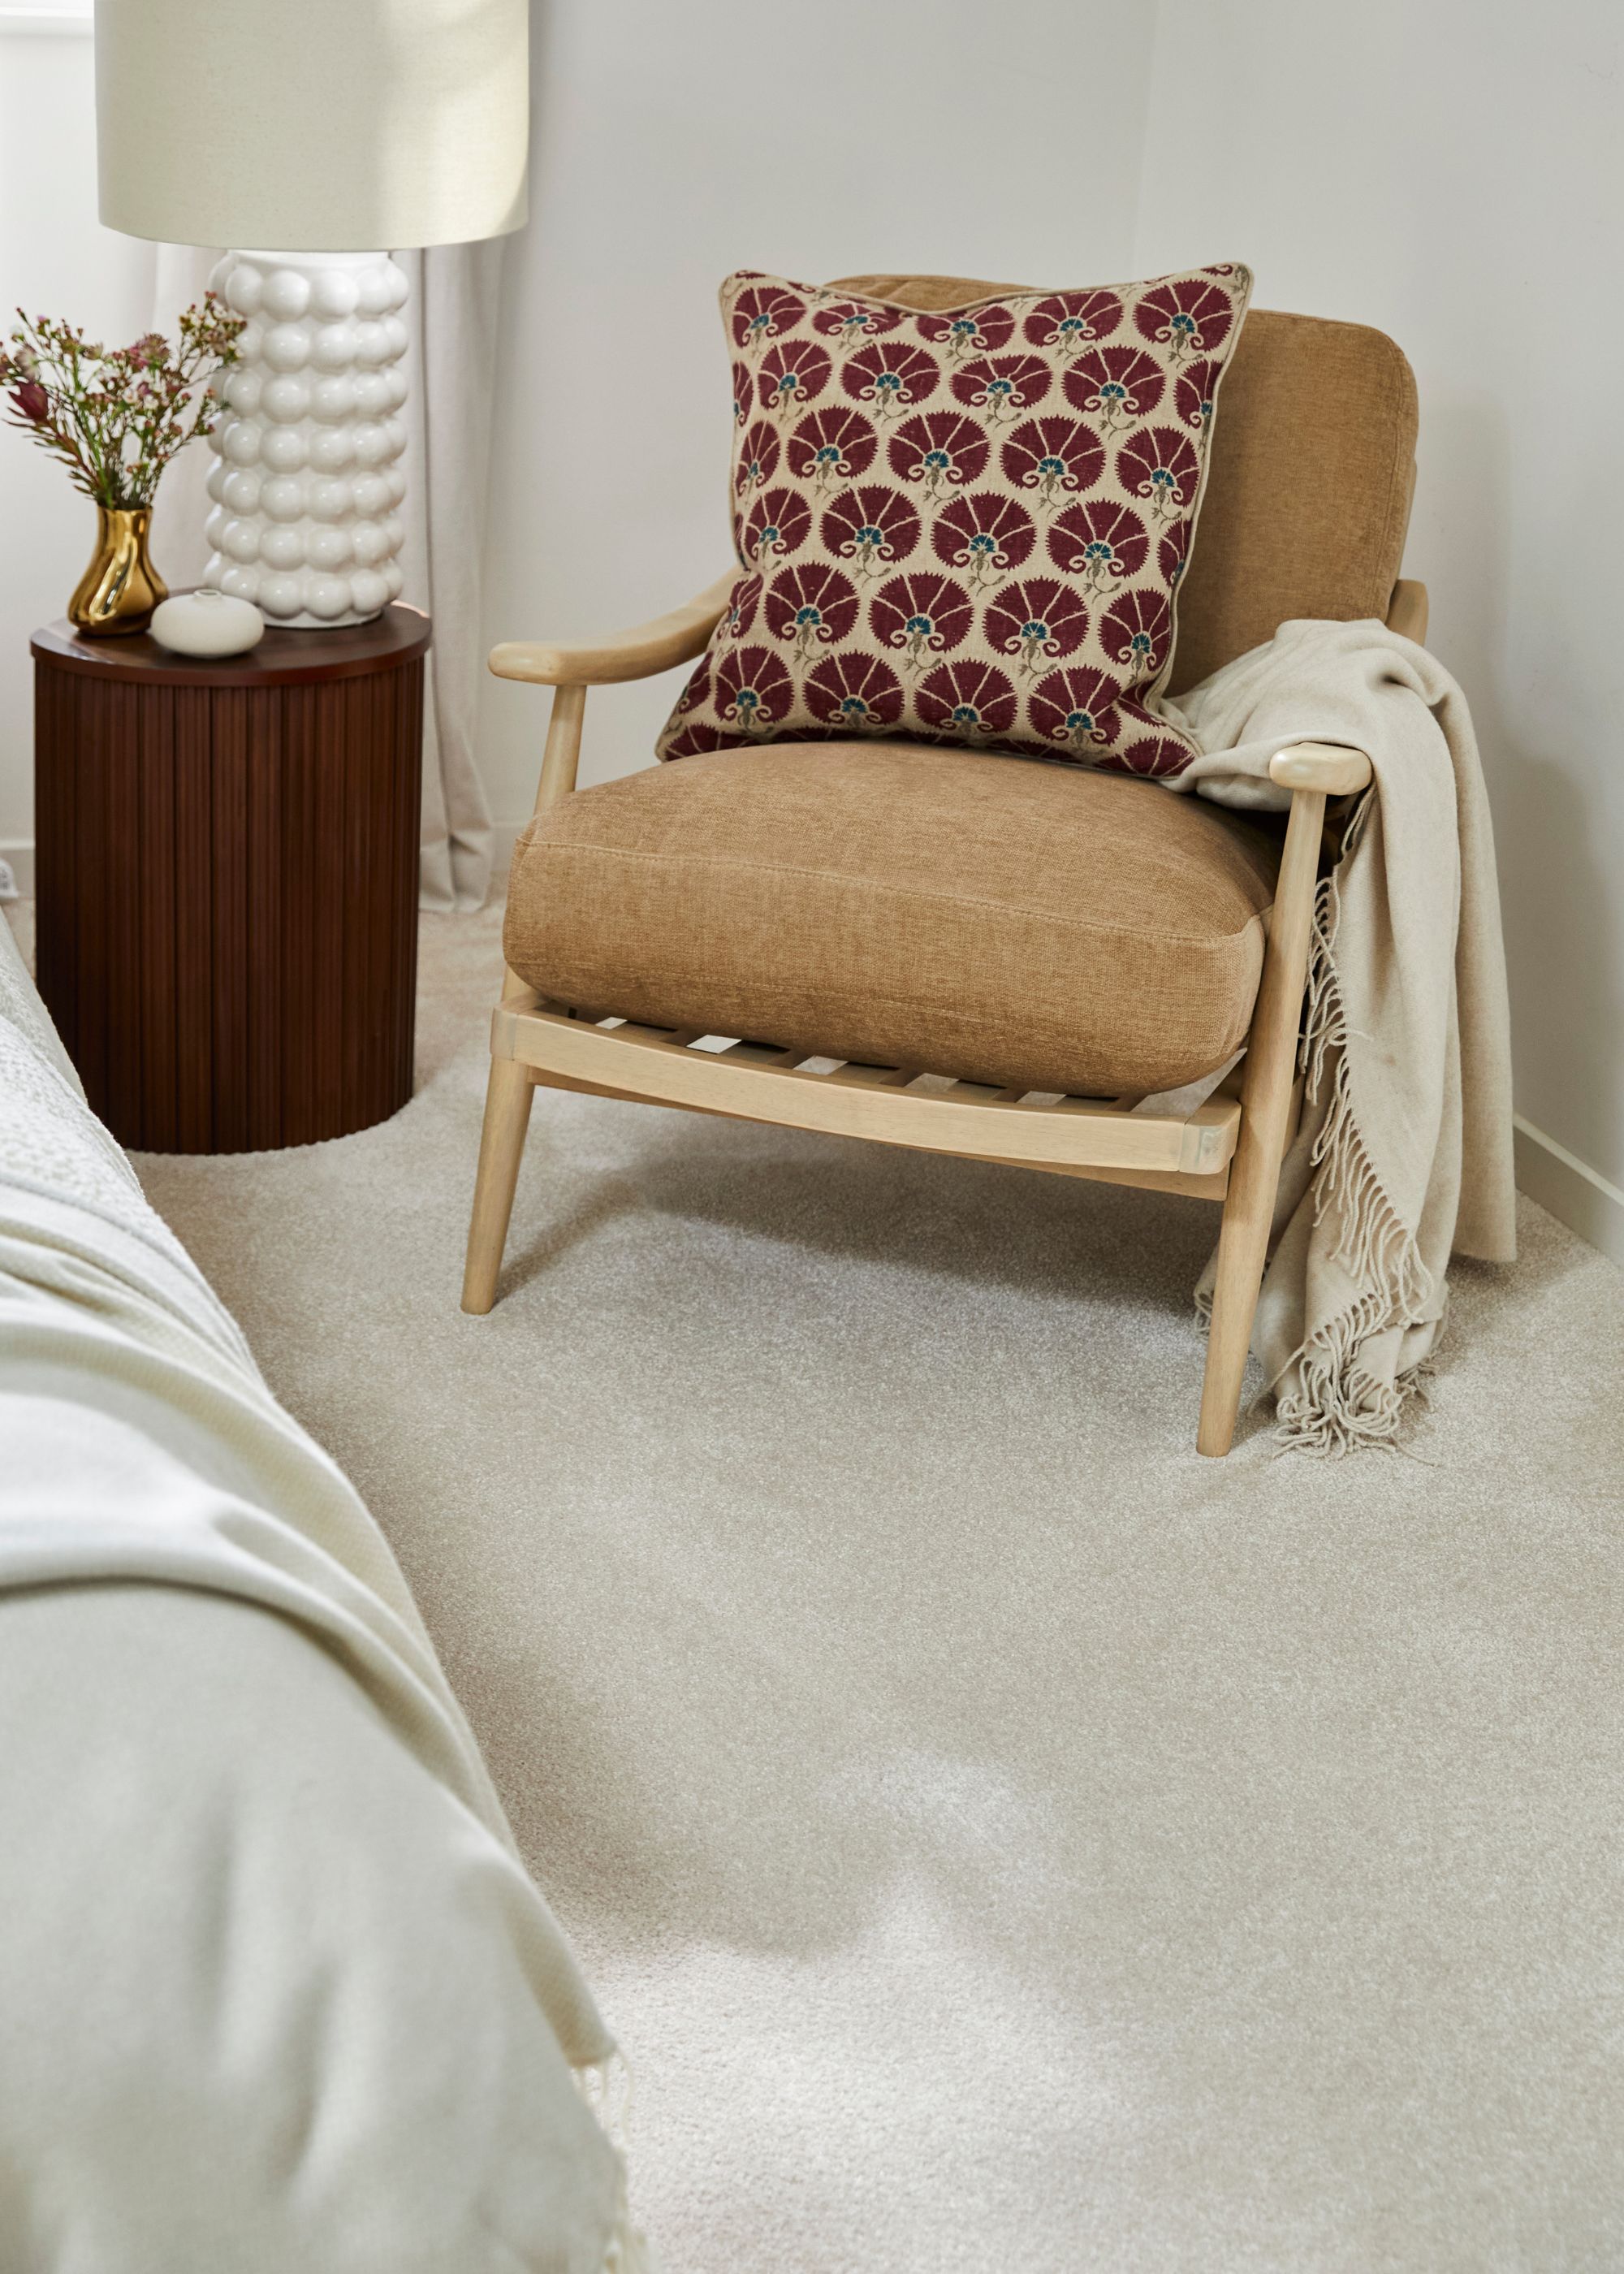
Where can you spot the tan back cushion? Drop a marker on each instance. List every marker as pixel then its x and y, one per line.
pixel 1308 495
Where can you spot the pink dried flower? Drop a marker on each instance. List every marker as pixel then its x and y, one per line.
pixel 115 416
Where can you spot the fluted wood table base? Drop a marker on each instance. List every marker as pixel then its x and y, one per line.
pixel 226 864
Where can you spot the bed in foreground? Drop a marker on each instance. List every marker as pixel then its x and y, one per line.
pixel 276 1990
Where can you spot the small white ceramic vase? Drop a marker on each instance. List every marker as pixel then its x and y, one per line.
pixel 207 622
pixel 307 482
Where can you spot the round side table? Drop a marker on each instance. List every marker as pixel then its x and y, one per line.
pixel 227 880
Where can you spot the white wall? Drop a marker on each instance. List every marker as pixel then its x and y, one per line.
pixel 673 144
pixel 55 259
pixel 1452 171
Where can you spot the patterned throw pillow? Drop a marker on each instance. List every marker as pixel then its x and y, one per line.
pixel 967 526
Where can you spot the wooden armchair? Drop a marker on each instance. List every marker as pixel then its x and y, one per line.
pixel 677 992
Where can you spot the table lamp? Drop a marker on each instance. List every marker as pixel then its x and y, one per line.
pixel 335 131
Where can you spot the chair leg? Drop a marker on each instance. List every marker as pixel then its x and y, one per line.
pixel 501 1148
pixel 1266 1106
pixel 509 1095
pixel 1243 1250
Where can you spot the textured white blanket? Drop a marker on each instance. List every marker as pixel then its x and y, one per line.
pixel 276 1990
pixel 1404 1154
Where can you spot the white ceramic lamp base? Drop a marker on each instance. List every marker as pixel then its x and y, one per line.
pixel 307 481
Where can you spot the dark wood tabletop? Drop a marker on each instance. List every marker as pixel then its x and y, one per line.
pixel 284 658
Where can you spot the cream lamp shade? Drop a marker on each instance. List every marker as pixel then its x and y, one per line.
pixel 337 125
pixel 335 131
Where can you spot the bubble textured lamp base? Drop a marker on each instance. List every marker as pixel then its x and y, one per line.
pixel 306 482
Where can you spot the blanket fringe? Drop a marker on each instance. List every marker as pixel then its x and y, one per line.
pixel 1332 1405
pixel 607 2088
pixel 628 2251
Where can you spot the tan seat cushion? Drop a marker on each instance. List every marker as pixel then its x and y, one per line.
pixel 995 918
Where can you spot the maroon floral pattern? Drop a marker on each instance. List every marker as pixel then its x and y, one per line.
pixel 811 606
pixel 968 331
pixel 695 738
pixel 1172 554
pixel 1053 458
pixel 1145 743
pixel 698 689
pixel 1161 753
pixel 920 617
pixel 778 522
pixel 967 702
pixel 743 607
pixel 1003 385
pixel 1065 323
pixel 1137 632
pixel 1186 315
pixel 1163 466
pixel 887 376
pixel 854 694
pixel 871 526
pixel 832 445
pixel 985 533
pixel 1195 392
pixel 1116 385
pixel 752 689
pixel 763 309
pixel 1075 710
pixel 794 372
pixel 940 449
pixel 1037 621
pixel 967 526
pixel 757 459
pixel 1100 541
pixel 855 320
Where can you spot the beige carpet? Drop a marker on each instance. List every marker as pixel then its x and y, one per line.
pixel 1001 1838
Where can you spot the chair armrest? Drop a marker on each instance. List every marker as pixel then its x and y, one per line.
pixel 636 654
pixel 1329 767
pixel 1407 610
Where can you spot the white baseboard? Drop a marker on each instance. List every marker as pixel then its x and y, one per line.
pixel 1574 1192
pixel 18 853
pixel 47 22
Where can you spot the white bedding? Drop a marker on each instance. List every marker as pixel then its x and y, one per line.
pixel 276 1991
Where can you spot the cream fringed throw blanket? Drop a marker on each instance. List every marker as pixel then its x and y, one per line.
pixel 1405 1152
pixel 275 1988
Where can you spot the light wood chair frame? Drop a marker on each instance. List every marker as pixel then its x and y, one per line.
pixel 1228 1150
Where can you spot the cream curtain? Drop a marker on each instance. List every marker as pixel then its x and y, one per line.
pixel 450 368
pixel 452 376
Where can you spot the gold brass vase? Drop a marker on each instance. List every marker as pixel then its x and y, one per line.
pixel 121 588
